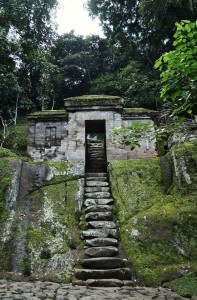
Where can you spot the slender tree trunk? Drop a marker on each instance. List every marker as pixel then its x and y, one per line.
pixel 53 102
pixel 16 109
pixel 5 130
pixel 191 9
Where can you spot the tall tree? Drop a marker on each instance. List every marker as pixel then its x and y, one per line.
pixel 28 24
pixel 145 26
pixel 80 60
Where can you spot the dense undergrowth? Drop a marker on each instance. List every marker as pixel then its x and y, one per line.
pixel 16 137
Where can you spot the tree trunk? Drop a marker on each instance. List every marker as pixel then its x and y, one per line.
pixel 191 9
pixel 16 110
pixel 53 102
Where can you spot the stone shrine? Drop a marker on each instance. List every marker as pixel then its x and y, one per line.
pixel 83 132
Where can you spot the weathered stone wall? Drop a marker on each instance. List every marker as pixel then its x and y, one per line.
pixel 61 136
pixel 46 135
pixel 76 134
pixel 71 147
pixel 75 142
pixel 147 144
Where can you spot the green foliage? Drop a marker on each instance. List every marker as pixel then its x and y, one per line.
pixel 137 86
pixel 143 28
pixel 25 38
pixel 105 84
pixel 16 140
pixel 131 135
pixel 6 153
pixel 79 60
pixel 179 70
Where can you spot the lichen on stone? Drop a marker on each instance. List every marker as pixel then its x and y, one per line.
pixel 43 223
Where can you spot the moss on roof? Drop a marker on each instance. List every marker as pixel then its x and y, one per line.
pixel 48 114
pixel 93 97
pixel 139 110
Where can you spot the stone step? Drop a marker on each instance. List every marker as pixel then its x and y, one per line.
pixel 103 263
pixel 98 195
pixel 103 174
pixel 90 202
pixel 130 283
pixel 101 224
pixel 101 216
pixel 101 242
pixel 126 283
pixel 93 189
pixel 104 179
pixel 97 183
pixel 104 282
pixel 102 208
pixel 101 251
pixel 118 273
pixel 100 233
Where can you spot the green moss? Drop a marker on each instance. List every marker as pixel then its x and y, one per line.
pixel 62 167
pixel 137 110
pixel 49 112
pixel 49 115
pixel 53 230
pixel 6 171
pixel 88 100
pixel 51 233
pixel 59 207
pixel 128 179
pixel 158 231
pixel 97 97
pixel 184 286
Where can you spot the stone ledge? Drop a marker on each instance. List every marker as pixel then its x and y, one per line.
pixel 93 102
pixel 48 115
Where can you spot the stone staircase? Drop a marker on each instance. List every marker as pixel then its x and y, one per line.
pixel 96 156
pixel 103 264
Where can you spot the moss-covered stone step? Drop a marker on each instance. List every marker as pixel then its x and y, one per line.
pixel 102 208
pixel 102 233
pixel 103 201
pixel 98 195
pixel 101 224
pixel 101 251
pixel 92 189
pixel 101 242
pixel 103 263
pixel 118 273
pixel 95 183
pixel 99 216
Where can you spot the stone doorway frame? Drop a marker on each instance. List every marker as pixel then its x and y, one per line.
pixel 95 127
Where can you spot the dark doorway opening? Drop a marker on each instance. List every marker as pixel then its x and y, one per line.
pixel 95 136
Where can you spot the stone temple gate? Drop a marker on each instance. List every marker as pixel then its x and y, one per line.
pixel 83 132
